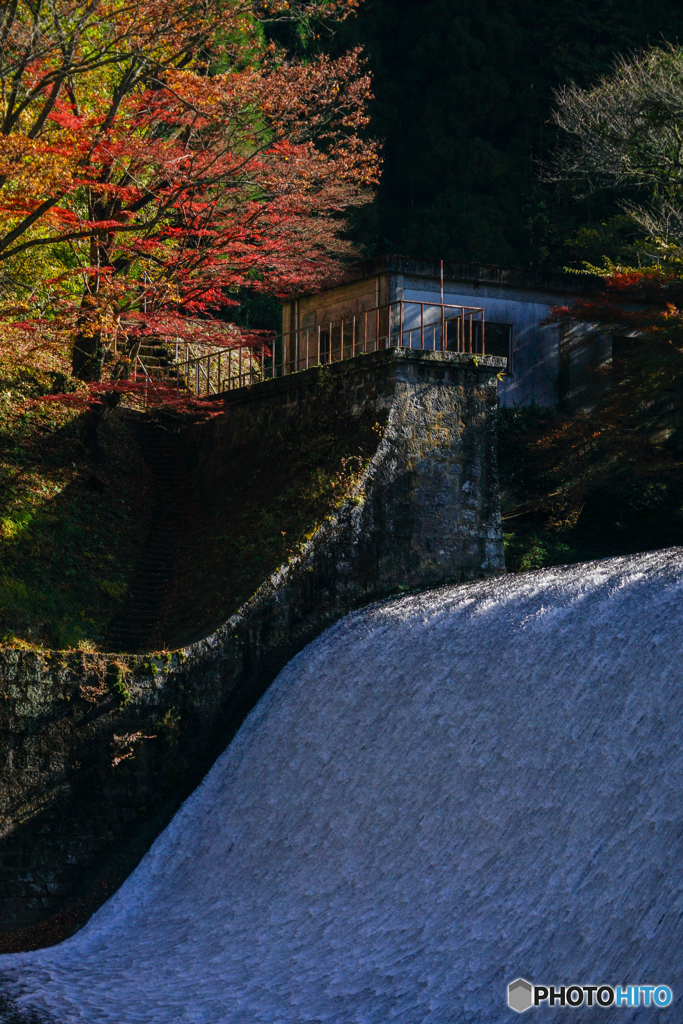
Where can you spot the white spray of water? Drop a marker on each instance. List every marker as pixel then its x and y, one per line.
pixel 440 794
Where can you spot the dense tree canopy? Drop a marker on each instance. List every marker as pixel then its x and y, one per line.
pixel 156 156
pixel 625 131
pixel 464 91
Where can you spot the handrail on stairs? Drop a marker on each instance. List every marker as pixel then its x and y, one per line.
pixel 406 323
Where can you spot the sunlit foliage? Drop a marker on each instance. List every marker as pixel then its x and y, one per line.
pixel 157 156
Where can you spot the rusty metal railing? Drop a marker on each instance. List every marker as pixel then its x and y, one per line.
pixel 212 373
pixel 406 323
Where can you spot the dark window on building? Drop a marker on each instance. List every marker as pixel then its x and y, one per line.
pixel 324 347
pixel 497 341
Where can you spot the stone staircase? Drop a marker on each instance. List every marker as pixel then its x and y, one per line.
pixel 157 357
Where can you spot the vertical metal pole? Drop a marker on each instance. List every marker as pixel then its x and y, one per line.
pixel 463 328
pixel 443 315
pixel 470 319
pixel 296 351
pixel 400 326
pixel 422 325
pixel 442 282
pixel 483 341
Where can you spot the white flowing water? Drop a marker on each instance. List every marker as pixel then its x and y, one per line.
pixel 440 794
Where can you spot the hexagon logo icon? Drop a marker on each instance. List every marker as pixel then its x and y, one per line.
pixel 520 995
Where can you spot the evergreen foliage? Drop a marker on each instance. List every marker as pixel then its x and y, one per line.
pixel 464 91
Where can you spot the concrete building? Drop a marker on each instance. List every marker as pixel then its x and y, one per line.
pixel 398 301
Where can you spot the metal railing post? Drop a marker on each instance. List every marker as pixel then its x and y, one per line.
pixel 258 357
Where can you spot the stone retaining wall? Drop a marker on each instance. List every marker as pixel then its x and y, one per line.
pixel 98 750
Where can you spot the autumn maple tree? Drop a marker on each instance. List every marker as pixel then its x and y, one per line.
pixel 157 156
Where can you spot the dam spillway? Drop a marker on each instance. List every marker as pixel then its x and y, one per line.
pixel 442 793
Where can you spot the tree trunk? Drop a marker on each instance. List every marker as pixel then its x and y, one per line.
pixel 87 357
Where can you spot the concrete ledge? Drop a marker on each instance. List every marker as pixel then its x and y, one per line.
pixel 383 361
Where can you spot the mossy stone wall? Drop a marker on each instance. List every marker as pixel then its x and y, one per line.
pixel 98 750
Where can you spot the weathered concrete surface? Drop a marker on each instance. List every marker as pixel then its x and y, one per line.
pixel 99 750
pixel 548 366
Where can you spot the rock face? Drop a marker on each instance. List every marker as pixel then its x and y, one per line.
pixel 98 750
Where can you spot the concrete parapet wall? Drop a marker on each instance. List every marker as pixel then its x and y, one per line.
pixel 98 750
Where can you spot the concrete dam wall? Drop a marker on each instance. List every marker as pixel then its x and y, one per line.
pixel 443 793
pixel 99 750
